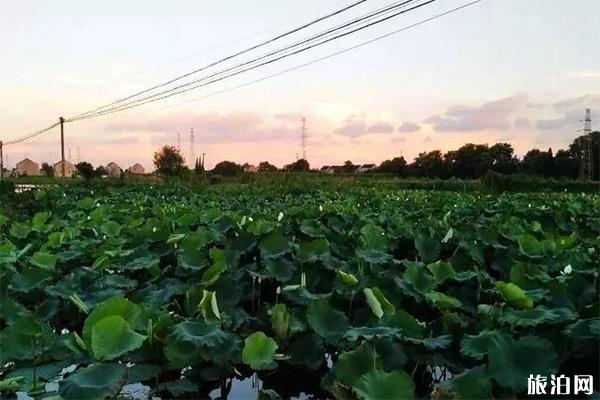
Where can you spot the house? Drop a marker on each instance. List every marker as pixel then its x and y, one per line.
pixel 365 168
pixel 327 169
pixel 69 169
pixel 137 169
pixel 249 168
pixel 113 169
pixel 26 167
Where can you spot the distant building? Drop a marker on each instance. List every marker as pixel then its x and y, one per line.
pixel 113 170
pixel 249 168
pixel 69 169
pixel 365 168
pixel 327 169
pixel 26 167
pixel 137 169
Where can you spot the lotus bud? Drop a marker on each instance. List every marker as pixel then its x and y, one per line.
pixel 568 269
pixel 280 216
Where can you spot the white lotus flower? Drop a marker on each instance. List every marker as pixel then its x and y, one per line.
pixel 88 218
pixel 568 269
pixel 104 237
pixel 250 219
pixel 321 208
pixel 97 204
pixel 154 229
pixel 280 216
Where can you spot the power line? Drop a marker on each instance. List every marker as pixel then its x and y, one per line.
pixel 175 91
pixel 280 36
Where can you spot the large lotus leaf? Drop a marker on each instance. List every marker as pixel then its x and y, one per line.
pixel 584 329
pixel 407 325
pixel 27 339
pixel 528 276
pixel 537 316
pixel 441 271
pixel 179 387
pixel 279 268
pixel 529 246
pixel 313 250
pixel 511 361
pixel 30 278
pixel 355 333
pixel 330 324
pixel 259 351
pixel 428 247
pixel 377 302
pixel 111 228
pixel 142 372
pixel 474 384
pixel 419 278
pixel 313 228
pixel 119 306
pixel 373 237
pixel 20 230
pixel 347 278
pixel 378 384
pixel 274 244
pixel 514 295
pixel 351 365
pixel 216 269
pixel 209 307
pixel 477 346
pixel 45 261
pixel 442 301
pixel 112 337
pixel 98 381
pixel 307 350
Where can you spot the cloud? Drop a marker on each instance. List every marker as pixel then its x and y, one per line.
pixel 572 111
pixel 427 139
pixel 353 128
pixel 399 139
pixel 381 127
pixel 522 123
pixel 493 115
pixel 585 101
pixel 587 74
pixel 408 127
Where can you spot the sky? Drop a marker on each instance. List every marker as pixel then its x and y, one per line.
pixel 517 71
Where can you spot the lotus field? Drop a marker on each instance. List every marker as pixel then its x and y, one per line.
pixel 358 292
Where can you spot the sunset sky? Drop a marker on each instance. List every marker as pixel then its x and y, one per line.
pixel 518 71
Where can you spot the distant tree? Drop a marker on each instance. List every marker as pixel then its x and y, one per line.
pixel 538 162
pixel 469 161
pixel 429 164
pixel 502 158
pixel 101 171
pixel 300 165
pixel 85 170
pixel 396 165
pixel 565 165
pixel 265 166
pixel 47 169
pixel 227 168
pixel 169 161
pixel 348 167
pixel 198 167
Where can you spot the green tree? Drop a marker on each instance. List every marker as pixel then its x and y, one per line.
pixel 396 165
pixel 538 162
pixel 300 165
pixel 581 143
pixel 85 170
pixel 265 166
pixel 502 158
pixel 227 168
pixel 169 161
pixel 429 164
pixel 469 161
pixel 565 165
pixel 348 167
pixel 47 169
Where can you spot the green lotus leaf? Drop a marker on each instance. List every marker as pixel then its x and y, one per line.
pixel 259 351
pixel 477 346
pixel 355 333
pixel 377 302
pixel 112 337
pixel 347 278
pixel 20 231
pixel 537 316
pixel 514 295
pixel 209 308
pixel 110 228
pixel 216 269
pixel 373 237
pixel 118 306
pixel 584 329
pixel 313 250
pixel 511 361
pixel 529 246
pixel 351 365
pixel 26 339
pixel 178 388
pixel 39 219
pixel 443 301
pixel 330 324
pixel 474 384
pixel 45 261
pixel 280 321
pixel 378 384
pixel 313 228
pixel 275 244
pixel 407 325
pixel 441 271
pixel 428 247
pixel 279 268
pixel 98 381
pixel 419 278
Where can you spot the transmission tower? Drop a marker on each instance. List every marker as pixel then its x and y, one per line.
pixel 303 138
pixel 192 152
pixel 585 166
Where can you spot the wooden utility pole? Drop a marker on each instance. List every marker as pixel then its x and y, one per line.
pixel 62 145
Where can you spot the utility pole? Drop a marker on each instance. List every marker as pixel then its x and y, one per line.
pixel 62 145
pixel 192 152
pixel 303 138
pixel 586 156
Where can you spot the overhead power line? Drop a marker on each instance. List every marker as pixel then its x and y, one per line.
pixel 280 36
pixel 253 65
